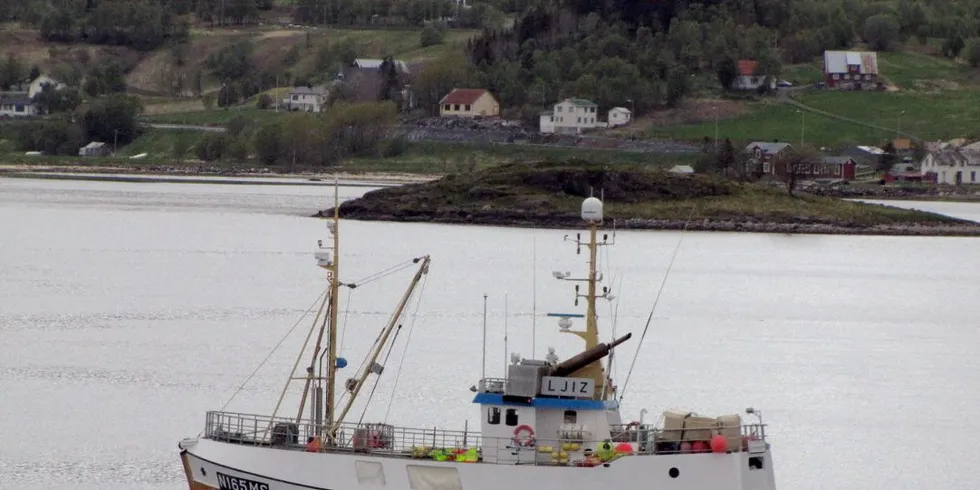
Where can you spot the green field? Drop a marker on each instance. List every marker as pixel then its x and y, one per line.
pixel 930 116
pixel 936 98
pixel 215 117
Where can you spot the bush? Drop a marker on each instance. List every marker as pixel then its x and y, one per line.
pixel 212 147
pixel 430 36
pixel 264 102
pixel 394 147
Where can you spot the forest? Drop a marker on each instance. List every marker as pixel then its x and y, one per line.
pixel 651 54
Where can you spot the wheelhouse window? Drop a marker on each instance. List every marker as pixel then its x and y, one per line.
pixel 756 463
pixel 493 416
pixel 511 417
pixel 571 417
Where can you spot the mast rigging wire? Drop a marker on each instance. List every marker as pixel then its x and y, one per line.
pixel 408 339
pixel 656 301
pixel 267 357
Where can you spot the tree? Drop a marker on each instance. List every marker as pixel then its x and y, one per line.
pixel 727 72
pixel 430 36
pixel 973 52
pixel 51 100
pixel 113 119
pixel 797 163
pixel 438 78
pixel 953 45
pixel 881 31
pixel 267 143
pixel 887 158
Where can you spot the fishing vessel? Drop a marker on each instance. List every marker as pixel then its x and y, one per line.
pixel 549 424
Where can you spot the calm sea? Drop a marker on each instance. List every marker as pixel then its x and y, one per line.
pixel 129 310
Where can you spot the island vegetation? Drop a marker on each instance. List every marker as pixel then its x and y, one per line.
pixel 549 194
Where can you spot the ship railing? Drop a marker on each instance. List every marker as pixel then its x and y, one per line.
pixel 656 440
pixel 383 438
pixel 464 445
pixel 492 385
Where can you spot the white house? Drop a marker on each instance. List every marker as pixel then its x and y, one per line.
pixel 747 78
pixel 682 169
pixel 309 99
pixel 38 83
pixel 17 104
pixel 619 116
pixel 571 116
pixel 952 166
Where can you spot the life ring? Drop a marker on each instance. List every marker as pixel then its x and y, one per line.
pixel 527 441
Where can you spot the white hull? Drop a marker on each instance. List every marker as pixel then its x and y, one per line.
pixel 281 469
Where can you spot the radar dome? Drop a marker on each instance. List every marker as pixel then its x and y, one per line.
pixel 592 209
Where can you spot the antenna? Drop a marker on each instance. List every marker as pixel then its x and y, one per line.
pixel 505 335
pixel 534 293
pixel 484 371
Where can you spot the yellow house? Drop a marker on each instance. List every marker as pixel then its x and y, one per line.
pixel 469 102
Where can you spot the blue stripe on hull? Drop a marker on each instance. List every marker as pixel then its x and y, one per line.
pixel 558 403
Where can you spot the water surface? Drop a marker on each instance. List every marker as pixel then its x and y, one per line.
pixel 129 310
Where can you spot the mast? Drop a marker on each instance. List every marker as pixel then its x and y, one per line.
pixel 333 275
pixel 592 213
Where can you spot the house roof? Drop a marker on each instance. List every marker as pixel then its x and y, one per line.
pixel 746 68
pixel 463 96
pixel 547 113
pixel 620 109
pixel 767 147
pixel 581 102
pixel 837 160
pixel 318 90
pixel 16 98
pixel 682 169
pixel 376 64
pixel 838 61
pixel 955 156
pixel 93 145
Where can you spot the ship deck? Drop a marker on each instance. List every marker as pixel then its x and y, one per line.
pixel 385 440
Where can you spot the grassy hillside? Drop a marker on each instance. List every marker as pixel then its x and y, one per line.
pixel 939 98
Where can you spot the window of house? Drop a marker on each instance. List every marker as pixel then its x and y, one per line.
pixel 580 120
pixel 765 167
pixel 466 107
pixel 19 108
pixel 973 176
pixel 456 107
pixel 511 418
pixel 448 107
pixel 571 416
pixel 558 108
pixel 295 97
pixel 493 416
pixel 552 118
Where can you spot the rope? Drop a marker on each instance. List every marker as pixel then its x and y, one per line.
pixel 267 357
pixel 343 329
pixel 411 328
pixel 656 301
pixel 378 275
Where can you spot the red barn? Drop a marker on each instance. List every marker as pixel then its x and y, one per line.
pixel 842 168
pixel 851 70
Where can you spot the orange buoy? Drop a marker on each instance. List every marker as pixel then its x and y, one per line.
pixel 624 447
pixel 719 444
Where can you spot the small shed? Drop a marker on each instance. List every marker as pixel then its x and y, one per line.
pixel 94 149
pixel 682 169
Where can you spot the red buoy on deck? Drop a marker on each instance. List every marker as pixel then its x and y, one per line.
pixel 700 447
pixel 719 443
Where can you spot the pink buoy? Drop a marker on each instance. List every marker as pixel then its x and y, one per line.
pixel 719 444
pixel 700 447
pixel 624 447
pixel 685 447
